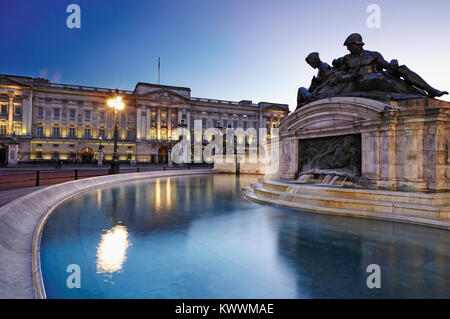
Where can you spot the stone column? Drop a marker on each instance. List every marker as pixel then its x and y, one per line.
pixel 188 119
pixel 27 114
pixel 10 115
pixel 138 122
pixel 148 122
pixel 158 123
pixel 271 125
pixel 169 159
pixel 260 120
pixel 169 123
pixel 180 115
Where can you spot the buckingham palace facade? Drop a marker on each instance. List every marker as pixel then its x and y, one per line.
pixel 52 121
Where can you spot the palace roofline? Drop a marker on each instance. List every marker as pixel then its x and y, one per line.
pixel 42 83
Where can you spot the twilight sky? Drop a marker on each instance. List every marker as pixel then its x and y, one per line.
pixel 227 49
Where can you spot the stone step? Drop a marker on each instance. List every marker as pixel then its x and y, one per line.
pixel 437 199
pixel 324 203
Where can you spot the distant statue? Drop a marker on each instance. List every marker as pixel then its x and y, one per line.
pixel 364 73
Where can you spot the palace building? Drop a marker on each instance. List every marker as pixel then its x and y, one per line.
pixel 52 121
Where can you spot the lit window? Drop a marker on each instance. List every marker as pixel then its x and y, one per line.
pixel 72 132
pixel 130 134
pixel 163 135
pixel 17 129
pixel 87 133
pixel 56 131
pixel 40 131
pixel 153 134
pixel 2 130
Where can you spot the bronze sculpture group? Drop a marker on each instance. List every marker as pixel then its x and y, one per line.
pixel 363 73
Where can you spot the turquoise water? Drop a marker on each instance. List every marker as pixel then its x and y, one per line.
pixel 198 237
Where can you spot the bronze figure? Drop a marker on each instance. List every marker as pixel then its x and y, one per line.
pixel 364 73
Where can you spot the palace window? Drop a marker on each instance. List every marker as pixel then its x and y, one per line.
pixel 101 133
pixel 39 155
pixel 244 124
pixel 130 135
pixel 55 155
pixel 163 135
pixel 102 116
pixel 72 114
pixel 2 130
pixel 87 115
pixel 153 134
pixel 17 109
pixel 40 131
pixel 40 111
pixel 235 124
pixel 203 124
pixel 214 122
pixel 87 133
pixel 56 113
pixel 17 129
pixel 72 132
pixel 56 131
pixel 225 123
pixel 4 109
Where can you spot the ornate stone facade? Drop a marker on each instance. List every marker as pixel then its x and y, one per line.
pixel 404 145
pixel 59 121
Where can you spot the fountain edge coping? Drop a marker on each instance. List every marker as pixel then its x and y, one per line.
pixel 24 219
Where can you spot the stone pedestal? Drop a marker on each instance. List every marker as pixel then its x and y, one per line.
pixel 13 154
pixel 100 157
pixel 403 145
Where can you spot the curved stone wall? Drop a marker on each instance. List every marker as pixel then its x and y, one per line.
pixel 22 222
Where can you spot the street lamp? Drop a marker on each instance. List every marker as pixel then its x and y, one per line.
pixel 118 105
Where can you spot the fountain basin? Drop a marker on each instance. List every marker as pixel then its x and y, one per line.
pixel 410 207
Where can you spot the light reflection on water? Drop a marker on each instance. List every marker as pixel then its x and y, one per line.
pixel 197 237
pixel 112 250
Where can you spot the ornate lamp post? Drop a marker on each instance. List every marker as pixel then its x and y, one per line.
pixel 118 105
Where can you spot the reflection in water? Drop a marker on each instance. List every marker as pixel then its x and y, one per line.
pixel 158 193
pixel 168 194
pixel 112 249
pixel 198 237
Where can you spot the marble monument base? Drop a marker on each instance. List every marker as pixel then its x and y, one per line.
pixel 410 207
pixel 405 145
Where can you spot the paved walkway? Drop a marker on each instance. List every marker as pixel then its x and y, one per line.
pixel 9 195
